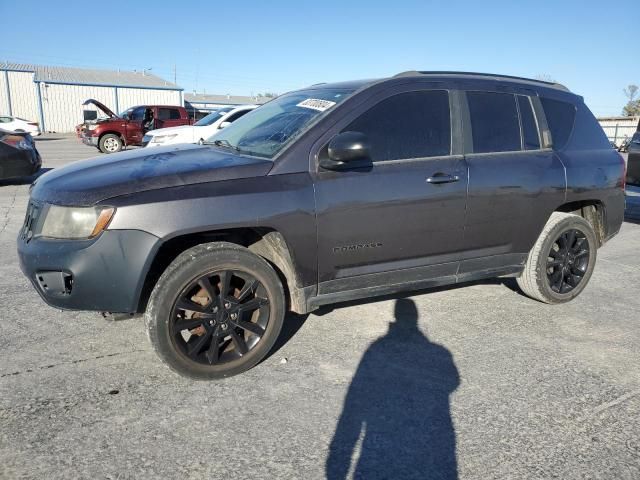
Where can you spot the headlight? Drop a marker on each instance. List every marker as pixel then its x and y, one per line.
pixel 76 222
pixel 92 126
pixel 163 138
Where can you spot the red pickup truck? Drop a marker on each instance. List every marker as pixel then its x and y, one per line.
pixel 115 132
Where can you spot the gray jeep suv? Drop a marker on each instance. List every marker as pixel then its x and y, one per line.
pixel 331 193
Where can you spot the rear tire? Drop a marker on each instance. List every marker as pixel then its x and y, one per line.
pixel 110 143
pixel 238 310
pixel 562 260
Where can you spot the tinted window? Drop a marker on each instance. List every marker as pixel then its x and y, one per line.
pixel 560 117
pixel 168 114
pixel 530 137
pixel 408 125
pixel 237 115
pixel 137 114
pixel 494 122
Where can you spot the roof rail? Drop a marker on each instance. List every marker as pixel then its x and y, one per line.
pixel 413 73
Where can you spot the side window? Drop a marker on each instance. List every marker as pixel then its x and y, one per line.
pixel 237 115
pixel 560 117
pixel 137 114
pixel 407 125
pixel 530 135
pixel 5 119
pixel 168 114
pixel 494 122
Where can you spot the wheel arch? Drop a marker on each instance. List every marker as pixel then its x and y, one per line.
pixel 113 132
pixel 593 211
pixel 263 241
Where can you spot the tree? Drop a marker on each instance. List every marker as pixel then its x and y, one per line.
pixel 632 108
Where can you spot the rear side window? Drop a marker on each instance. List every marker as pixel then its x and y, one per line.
pixel 560 117
pixel 407 125
pixel 530 136
pixel 168 114
pixel 237 115
pixel 494 122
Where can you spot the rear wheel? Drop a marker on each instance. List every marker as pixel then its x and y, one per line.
pixel 110 143
pixel 215 312
pixel 561 262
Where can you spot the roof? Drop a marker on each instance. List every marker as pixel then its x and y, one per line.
pixel 86 76
pixel 224 99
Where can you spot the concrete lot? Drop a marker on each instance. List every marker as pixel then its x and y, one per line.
pixel 478 382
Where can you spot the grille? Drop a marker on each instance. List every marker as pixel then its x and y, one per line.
pixel 33 210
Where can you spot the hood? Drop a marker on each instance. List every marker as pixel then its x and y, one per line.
pixel 100 106
pixel 87 182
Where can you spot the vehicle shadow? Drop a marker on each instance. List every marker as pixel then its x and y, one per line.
pixel 28 180
pixel 396 420
pixel 292 323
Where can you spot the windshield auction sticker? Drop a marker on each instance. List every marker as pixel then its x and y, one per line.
pixel 316 104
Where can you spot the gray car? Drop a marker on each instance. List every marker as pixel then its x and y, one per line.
pixel 331 193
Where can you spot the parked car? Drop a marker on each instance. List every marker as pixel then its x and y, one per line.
pixel 112 134
pixel 18 155
pixel 327 194
pixel 633 160
pixel 200 130
pixel 19 125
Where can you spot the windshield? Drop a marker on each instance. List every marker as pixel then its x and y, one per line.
pixel 212 117
pixel 267 130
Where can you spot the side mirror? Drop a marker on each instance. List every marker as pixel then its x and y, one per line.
pixel 347 151
pixel 224 125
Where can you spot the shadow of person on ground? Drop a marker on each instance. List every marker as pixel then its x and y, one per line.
pixel 396 421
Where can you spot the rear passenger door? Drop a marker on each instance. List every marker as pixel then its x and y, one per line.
pixel 400 223
pixel 515 182
pixel 168 117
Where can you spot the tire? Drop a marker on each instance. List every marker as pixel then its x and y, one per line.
pixel 110 143
pixel 553 273
pixel 208 343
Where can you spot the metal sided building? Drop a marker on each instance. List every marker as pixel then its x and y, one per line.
pixel 203 102
pixel 53 96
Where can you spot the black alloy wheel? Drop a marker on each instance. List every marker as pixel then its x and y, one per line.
pixel 220 317
pixel 568 261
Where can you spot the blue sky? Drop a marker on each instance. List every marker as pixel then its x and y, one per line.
pixel 244 47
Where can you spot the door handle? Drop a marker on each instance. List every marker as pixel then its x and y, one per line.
pixel 440 177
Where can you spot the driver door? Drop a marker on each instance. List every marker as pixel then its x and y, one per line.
pixel 401 222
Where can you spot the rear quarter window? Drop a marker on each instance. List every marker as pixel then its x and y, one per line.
pixel 560 118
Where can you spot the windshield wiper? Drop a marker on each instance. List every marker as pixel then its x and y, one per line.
pixel 221 142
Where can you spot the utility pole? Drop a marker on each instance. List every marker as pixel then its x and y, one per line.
pixel 175 76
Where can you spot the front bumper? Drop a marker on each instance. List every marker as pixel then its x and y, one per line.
pixel 105 274
pixel 89 140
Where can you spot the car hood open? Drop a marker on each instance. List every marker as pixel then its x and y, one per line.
pixel 88 182
pixel 100 106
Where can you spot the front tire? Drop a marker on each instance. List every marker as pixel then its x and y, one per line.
pixel 216 311
pixel 110 143
pixel 562 260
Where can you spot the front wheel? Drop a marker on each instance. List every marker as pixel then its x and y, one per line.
pixel 215 312
pixel 561 262
pixel 110 143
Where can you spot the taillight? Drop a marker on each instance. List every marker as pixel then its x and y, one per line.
pixel 16 141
